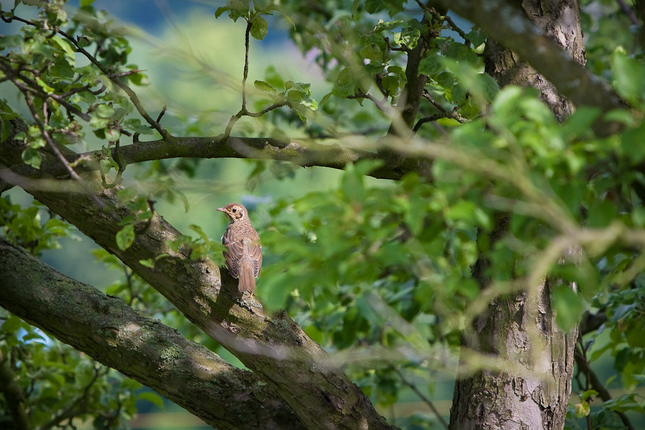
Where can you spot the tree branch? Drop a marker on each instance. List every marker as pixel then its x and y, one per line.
pixel 592 379
pixel 142 348
pixel 300 152
pixel 274 347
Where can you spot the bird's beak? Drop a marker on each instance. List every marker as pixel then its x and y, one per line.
pixel 221 209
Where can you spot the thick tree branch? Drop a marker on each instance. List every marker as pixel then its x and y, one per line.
pixel 510 27
pixel 300 152
pixel 274 347
pixel 143 348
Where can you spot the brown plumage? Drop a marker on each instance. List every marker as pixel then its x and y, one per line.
pixel 243 249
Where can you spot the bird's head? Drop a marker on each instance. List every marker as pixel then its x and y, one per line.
pixel 234 211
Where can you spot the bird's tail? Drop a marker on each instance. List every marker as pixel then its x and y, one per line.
pixel 247 280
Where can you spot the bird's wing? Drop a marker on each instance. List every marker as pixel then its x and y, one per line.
pixel 255 253
pixel 234 253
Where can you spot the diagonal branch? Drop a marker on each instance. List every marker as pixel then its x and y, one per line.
pixel 289 360
pixel 142 348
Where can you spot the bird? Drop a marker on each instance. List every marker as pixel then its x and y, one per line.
pixel 243 253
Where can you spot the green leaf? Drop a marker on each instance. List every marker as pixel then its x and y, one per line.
pixel 86 3
pixel 628 73
pixel 391 6
pixel 348 83
pixel 32 157
pixel 568 307
pixel 105 111
pixel 488 86
pixel 125 237
pixel 579 123
pixel 197 229
pixel 259 27
pixel 476 36
pixel 589 393
pixel 409 36
pixel 601 214
pixel 582 410
pixel 220 10
pixel 264 86
pixel 152 397
pixel 11 324
pixel 83 373
pixel 632 144
pixel 385 26
pixel 66 47
pixel 431 64
pixel 147 263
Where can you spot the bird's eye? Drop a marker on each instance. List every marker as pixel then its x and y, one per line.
pixel 234 210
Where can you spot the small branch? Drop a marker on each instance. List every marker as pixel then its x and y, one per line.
pixel 161 114
pixel 245 112
pixel 454 114
pixel 422 397
pixel 593 382
pixel 246 61
pixel 35 88
pixel 13 395
pixel 439 17
pixel 629 12
pixel 115 79
pixel 77 407
pixel 52 145
pixel 380 104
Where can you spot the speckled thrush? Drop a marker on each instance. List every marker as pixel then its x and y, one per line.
pixel 243 249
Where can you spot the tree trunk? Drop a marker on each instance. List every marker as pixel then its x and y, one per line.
pixel 524 361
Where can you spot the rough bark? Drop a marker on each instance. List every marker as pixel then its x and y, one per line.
pixel 521 328
pixel 111 332
pixel 274 347
pixel 298 152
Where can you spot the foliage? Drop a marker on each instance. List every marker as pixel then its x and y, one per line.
pixel 59 384
pixel 382 266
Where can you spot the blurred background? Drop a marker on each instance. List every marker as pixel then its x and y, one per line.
pixel 193 65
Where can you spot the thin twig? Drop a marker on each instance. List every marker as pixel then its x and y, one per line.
pixel 446 18
pixel 131 94
pixel 32 86
pixel 247 43
pixel 112 76
pixel 380 104
pixel 421 396
pixel 592 380
pixel 52 145
pixel 78 406
pixel 629 12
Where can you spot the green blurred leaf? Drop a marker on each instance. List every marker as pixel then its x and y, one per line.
pixel 125 237
pixel 11 324
pixel 568 307
pixel 32 157
pixel 582 409
pixel 152 397
pixel 259 27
